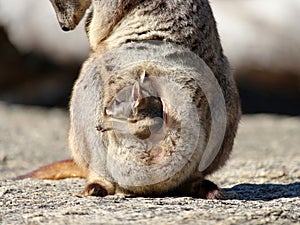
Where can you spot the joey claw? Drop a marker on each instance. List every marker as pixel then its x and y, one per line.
pixel 102 129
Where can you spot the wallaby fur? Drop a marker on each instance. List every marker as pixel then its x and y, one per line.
pixel 117 31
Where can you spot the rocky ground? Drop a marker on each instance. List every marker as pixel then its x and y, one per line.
pixel 261 182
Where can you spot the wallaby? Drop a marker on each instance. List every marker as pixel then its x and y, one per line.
pixel 151 62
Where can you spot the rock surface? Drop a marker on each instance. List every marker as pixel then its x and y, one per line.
pixel 261 182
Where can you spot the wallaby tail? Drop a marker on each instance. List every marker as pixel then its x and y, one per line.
pixel 55 171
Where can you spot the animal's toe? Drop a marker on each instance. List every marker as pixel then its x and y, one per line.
pixel 209 190
pixel 214 194
pixel 95 189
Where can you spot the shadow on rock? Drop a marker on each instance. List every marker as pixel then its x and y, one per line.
pixel 264 192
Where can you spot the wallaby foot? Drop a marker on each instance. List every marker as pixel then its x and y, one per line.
pixel 200 188
pixel 209 190
pixel 94 189
pixel 100 187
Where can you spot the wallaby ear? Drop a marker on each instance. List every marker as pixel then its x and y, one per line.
pixel 136 94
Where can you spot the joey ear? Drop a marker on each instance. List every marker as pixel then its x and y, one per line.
pixel 165 112
pixel 143 75
pixel 136 94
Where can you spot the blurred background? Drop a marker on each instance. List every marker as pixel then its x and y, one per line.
pixel 39 62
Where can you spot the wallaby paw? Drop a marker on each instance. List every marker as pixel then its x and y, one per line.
pixel 94 189
pixel 209 190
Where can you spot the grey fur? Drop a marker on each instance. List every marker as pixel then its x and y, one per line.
pixel 112 24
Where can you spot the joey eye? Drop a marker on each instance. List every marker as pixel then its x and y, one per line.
pixel 130 120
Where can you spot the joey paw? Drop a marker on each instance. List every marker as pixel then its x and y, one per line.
pixel 102 129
